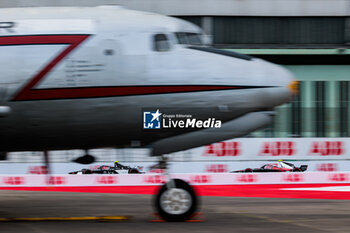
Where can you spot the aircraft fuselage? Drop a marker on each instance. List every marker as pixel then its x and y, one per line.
pixel 81 77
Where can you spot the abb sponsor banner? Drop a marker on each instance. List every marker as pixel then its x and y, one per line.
pixel 229 166
pixel 159 179
pixel 279 148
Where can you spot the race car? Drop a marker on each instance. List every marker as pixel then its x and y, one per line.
pixel 280 166
pixel 105 169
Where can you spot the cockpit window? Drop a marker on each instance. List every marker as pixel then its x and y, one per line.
pixel 161 43
pixel 189 38
pixel 181 37
pixel 194 38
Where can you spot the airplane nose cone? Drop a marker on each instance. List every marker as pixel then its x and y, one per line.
pixel 284 83
pixel 279 75
pixel 294 87
pixel 287 81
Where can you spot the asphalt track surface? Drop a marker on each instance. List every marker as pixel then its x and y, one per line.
pixel 221 214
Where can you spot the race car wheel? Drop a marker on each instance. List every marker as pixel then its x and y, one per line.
pixel 87 171
pixel 178 203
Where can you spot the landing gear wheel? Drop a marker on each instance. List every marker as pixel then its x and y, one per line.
pixel 176 202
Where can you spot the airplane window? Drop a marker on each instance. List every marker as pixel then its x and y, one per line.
pixel 189 38
pixel 181 37
pixel 161 43
pixel 194 38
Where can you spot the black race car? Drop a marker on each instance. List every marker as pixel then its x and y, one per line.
pixel 281 166
pixel 105 169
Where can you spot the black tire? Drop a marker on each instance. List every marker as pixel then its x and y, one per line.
pixel 184 188
pixel 86 171
pixel 133 171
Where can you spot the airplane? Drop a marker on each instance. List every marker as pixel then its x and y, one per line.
pixel 84 77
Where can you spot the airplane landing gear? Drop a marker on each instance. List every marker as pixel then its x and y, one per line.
pixel 176 201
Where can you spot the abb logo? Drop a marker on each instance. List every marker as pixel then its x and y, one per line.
pixel 247 178
pixel 223 149
pixel 327 167
pixel 201 179
pixel 107 180
pixel 156 179
pixel 14 180
pixel 339 177
pixel 278 148
pixel 37 170
pixel 57 180
pixel 327 148
pixel 293 177
pixel 216 168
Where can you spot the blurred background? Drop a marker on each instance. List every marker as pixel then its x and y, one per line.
pixel 311 38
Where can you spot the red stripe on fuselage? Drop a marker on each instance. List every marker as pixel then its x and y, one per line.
pixel 73 41
pixel 97 92
pixel 29 93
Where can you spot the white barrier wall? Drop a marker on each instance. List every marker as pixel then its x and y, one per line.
pixel 175 167
pixel 156 179
pixel 320 154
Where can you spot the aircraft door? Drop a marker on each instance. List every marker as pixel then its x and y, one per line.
pixel 135 57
